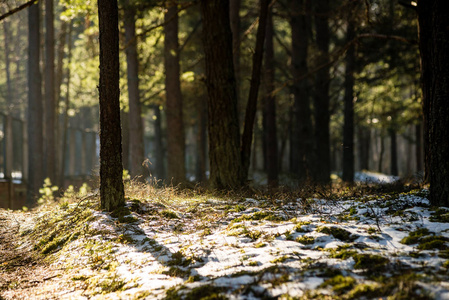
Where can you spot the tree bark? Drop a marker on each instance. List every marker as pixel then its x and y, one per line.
pixel 348 127
pixel 234 16
pixel 175 125
pixel 433 17
pixel 364 137
pixel 251 107
pixel 301 143
pixel 224 137
pixel 270 128
pixel 50 106
pixel 35 108
pixel 111 168
pixel 322 114
pixel 136 145
pixel 201 140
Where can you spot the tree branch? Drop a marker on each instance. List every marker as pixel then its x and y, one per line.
pixel 17 9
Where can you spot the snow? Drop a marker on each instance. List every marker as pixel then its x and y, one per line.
pixel 233 260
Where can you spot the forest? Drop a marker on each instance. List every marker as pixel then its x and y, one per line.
pixel 224 149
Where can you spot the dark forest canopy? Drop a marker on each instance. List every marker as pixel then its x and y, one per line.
pixel 340 89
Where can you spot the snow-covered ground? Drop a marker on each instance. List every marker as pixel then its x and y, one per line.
pixel 371 247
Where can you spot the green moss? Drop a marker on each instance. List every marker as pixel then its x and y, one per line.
pixel 414 236
pixel 260 245
pixel 433 242
pixel 253 263
pixel 364 290
pixel 339 283
pixel 370 262
pixel 169 214
pixel 176 272
pixel 440 215
pixel 299 227
pixel 257 216
pixel 279 259
pixel 205 292
pixel 306 240
pixel 338 233
pixel 254 234
pixel 178 259
pixel 343 254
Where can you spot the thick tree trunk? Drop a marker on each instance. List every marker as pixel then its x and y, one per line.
pixel 433 16
pixel 301 143
pixel 224 137
pixel 136 146
pixel 251 108
pixel 234 16
pixel 322 113
pixel 111 169
pixel 348 127
pixel 50 106
pixel 270 131
pixel 35 108
pixel 175 125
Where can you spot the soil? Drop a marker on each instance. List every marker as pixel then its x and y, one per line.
pixel 23 274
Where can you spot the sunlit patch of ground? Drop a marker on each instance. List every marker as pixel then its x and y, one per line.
pixel 194 246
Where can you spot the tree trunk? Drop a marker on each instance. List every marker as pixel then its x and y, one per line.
pixel 158 144
pixel 201 140
pixel 270 131
pixel 136 145
pixel 126 147
pixel 35 108
pixel 111 168
pixel 175 126
pixel 433 16
pixel 381 153
pixel 418 146
pixel 251 108
pixel 223 125
pixel 394 152
pixel 50 106
pixel 321 104
pixel 348 127
pixel 301 143
pixel 364 137
pixel 234 16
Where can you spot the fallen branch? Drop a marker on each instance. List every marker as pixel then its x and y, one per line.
pixel 17 9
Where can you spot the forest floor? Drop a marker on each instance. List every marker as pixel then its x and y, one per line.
pixel 369 242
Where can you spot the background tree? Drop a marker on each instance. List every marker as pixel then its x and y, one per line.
pixel 111 168
pixel 174 103
pixel 35 107
pixel 136 144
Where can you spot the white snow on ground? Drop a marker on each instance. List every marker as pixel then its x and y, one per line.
pixel 373 177
pixel 254 249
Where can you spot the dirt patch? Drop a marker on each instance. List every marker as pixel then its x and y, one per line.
pixel 23 273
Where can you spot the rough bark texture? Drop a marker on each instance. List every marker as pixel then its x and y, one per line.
pixel 322 113
pixel 433 16
pixel 251 107
pixel 136 146
pixel 35 108
pixel 224 137
pixel 111 168
pixel 301 142
pixel 50 106
pixel 270 130
pixel 234 16
pixel 348 127
pixel 175 126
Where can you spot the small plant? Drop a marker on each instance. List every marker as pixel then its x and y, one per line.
pixel 279 260
pixel 169 214
pixel 338 233
pixel 305 240
pixel 340 283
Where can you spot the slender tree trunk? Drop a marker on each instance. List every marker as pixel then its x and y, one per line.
pixel 433 16
pixel 251 108
pixel 126 148
pixel 364 137
pixel 394 151
pixel 322 113
pixel 136 149
pixel 301 143
pixel 201 140
pixel 348 128
pixel 381 153
pixel 112 193
pixel 224 139
pixel 271 142
pixel 50 106
pixel 158 145
pixel 65 124
pixel 35 107
pixel 418 146
pixel 175 125
pixel 9 90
